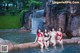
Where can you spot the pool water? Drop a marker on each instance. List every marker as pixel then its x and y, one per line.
pixel 18 37
pixel 68 48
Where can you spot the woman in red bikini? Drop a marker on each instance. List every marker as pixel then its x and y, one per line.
pixel 39 39
pixel 59 37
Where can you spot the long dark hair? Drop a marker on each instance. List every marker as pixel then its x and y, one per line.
pixel 38 30
pixel 46 30
pixel 60 28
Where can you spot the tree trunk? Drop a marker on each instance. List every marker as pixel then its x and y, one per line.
pixel 7 7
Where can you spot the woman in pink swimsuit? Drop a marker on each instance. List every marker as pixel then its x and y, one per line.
pixel 59 37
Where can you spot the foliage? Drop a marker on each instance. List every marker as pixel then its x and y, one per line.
pixel 22 12
pixel 10 16
pixel 35 3
pixel 18 5
pixel 9 22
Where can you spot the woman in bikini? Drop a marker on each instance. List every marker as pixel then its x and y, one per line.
pixel 46 39
pixel 53 37
pixel 39 39
pixel 59 37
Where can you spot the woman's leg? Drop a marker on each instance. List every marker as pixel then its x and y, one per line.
pixel 41 45
pixel 54 44
pixel 60 42
pixel 45 44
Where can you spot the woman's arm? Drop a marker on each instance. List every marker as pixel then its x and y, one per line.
pixel 42 35
pixel 49 35
pixel 61 37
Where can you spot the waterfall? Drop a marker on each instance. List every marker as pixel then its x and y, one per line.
pixel 37 21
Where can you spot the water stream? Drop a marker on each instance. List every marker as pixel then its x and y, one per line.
pixel 37 21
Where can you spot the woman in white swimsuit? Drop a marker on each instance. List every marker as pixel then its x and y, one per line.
pixel 53 37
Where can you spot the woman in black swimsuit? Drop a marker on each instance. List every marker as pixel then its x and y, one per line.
pixel 46 39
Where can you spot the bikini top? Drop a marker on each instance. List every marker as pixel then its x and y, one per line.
pixel 40 34
pixel 59 34
pixel 46 35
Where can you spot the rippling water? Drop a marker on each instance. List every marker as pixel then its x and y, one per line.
pixel 71 48
pixel 18 37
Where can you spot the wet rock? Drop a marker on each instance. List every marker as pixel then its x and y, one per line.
pixel 1 41
pixel 64 35
pixel 61 20
pixel 75 26
pixel 70 41
pixel 78 42
pixel 68 19
pixel 6 42
pixel 68 33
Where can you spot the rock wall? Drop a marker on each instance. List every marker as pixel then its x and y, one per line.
pixel 75 26
pixel 61 21
pixel 68 19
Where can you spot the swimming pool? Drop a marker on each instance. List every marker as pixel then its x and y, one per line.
pixel 24 37
pixel 70 48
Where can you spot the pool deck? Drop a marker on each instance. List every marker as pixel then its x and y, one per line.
pixel 34 45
